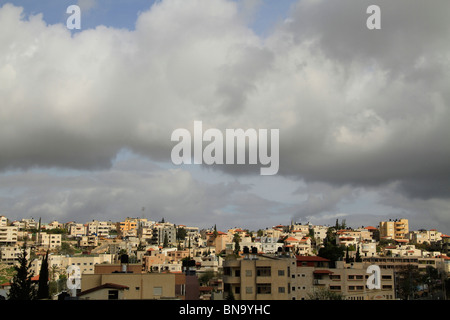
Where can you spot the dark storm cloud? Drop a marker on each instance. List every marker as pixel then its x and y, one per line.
pixel 355 107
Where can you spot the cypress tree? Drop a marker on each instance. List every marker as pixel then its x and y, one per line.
pixel 22 287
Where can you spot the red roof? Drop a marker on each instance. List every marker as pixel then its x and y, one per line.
pixel 311 258
pixel 370 228
pixel 322 271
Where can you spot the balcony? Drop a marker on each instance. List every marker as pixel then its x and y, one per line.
pixel 319 282
pixel 231 279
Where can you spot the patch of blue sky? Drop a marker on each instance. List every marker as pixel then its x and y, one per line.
pixel 124 13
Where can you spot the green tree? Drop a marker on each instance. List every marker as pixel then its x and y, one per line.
pixel 358 256
pixel 408 280
pixel 66 249
pixel 22 288
pixel 325 294
pixel 43 286
pixel 181 233
pixel 206 277
pixel 236 240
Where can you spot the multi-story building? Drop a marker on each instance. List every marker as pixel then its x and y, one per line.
pixel 218 240
pixel 270 244
pixel 30 223
pixel 129 286
pixel 8 235
pixel 162 232
pixel 285 277
pixel 422 236
pixel 313 275
pixel 257 278
pixel 3 221
pixel 76 229
pixel 397 229
pixel 88 241
pixel 61 262
pixel 54 225
pixel 319 233
pixel 128 226
pixel 11 254
pixel 48 240
pixel 98 228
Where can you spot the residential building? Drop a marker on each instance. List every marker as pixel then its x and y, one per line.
pixel 10 254
pixel 48 240
pixel 76 229
pixel 397 229
pixel 98 228
pixel 257 277
pixel 3 221
pixel 424 236
pixel 128 286
pixel 313 274
pixel 8 235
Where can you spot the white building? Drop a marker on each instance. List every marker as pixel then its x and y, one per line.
pixel 3 221
pixel 49 241
pixel 8 235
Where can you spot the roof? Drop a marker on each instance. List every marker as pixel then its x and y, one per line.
pixel 311 258
pixel 322 272
pixel 103 286
pixel 370 228
pixel 33 279
pixel 291 239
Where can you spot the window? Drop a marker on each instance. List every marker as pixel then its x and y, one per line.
pixel 249 290
pixel 157 291
pixel 237 290
pixel 248 273
pixel 281 290
pixel 281 272
pixel 264 288
pixel 263 271
pixel 335 288
pixel 237 273
pixel 113 294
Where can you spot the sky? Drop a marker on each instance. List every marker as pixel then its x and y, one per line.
pixel 86 116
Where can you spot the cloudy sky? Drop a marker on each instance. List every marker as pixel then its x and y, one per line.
pixel 86 116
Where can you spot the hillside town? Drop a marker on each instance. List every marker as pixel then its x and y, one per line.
pixel 142 259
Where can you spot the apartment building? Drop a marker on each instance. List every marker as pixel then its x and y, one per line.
pixel 8 235
pixel 128 227
pixel 98 228
pixel 128 286
pixel 319 233
pixel 3 221
pixel 76 229
pixel 257 278
pixel 270 244
pixel 54 225
pixel 348 280
pixel 88 241
pixel 422 236
pixel 397 229
pixel 10 254
pixel 161 231
pixel 49 241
